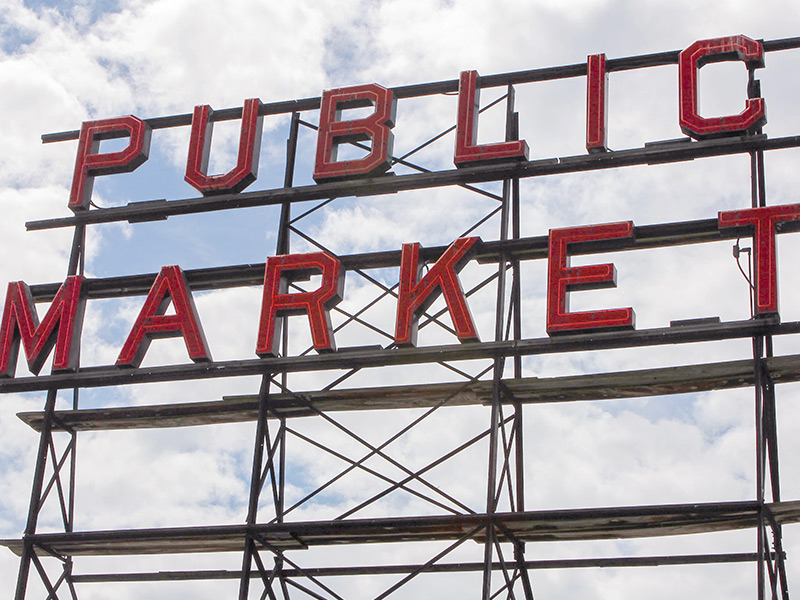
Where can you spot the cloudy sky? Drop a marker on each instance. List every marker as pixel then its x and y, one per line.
pixel 67 62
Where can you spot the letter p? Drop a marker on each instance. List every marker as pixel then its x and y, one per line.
pixel 91 162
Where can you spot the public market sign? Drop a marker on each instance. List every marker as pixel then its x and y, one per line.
pixel 60 329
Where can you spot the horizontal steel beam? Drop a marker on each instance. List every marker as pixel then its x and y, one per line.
pixel 441 87
pixel 568 563
pixel 347 358
pixel 680 150
pixel 529 248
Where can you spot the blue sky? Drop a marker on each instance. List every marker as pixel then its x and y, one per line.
pixel 62 63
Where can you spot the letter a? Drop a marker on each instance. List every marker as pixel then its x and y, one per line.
pixel 152 323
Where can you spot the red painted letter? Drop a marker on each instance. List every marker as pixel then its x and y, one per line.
pixel 561 279
pixel 467 151
pixel 376 127
pixel 152 323
pixel 246 169
pixel 20 321
pixel 416 295
pixel 737 47
pixel 764 220
pixel 596 102
pixel 90 163
pixel 316 304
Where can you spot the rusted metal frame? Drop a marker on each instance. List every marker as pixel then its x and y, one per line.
pixel 776 568
pixel 505 472
pixel 356 316
pixel 529 248
pixel 45 578
pixel 63 499
pixel 306 590
pixel 322 204
pixel 374 450
pixel 268 469
pixel 55 477
pixel 361 272
pixel 514 332
pixel 266 578
pixel 509 581
pixel 312 578
pixel 434 319
pixel 496 416
pixel 502 589
pixel 779 558
pixel 492 213
pixel 491 502
pixel 283 246
pixel 460 567
pixel 467 536
pixel 64 577
pixel 255 487
pixel 770 425
pixel 359 312
pixel 760 464
pixel 401 160
pixel 282 579
pixel 349 318
pixel 373 472
pixel 441 134
pixel 154 210
pixel 391 439
pixel 110 376
pixel 759 198
pixel 441 87
pixel 75 265
pixel 772 574
pixel 416 475
pixel 766 428
pixel 519 558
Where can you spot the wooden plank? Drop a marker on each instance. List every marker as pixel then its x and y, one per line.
pixel 626 384
pixel 532 526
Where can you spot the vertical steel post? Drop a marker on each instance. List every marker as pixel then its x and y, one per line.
pixel 255 487
pixel 75 265
pixel 499 363
pixel 283 247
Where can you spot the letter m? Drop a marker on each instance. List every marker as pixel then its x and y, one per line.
pixel 61 328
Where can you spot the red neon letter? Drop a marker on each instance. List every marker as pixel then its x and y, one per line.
pixel 737 47
pixel 561 279
pixel 90 163
pixel 596 101
pixel 764 220
pixel 467 151
pixel 316 304
pixel 20 321
pixel 246 169
pixel 376 127
pixel 416 295
pixel 152 323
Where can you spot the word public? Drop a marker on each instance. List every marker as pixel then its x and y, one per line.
pixel 61 326
pixel 377 127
